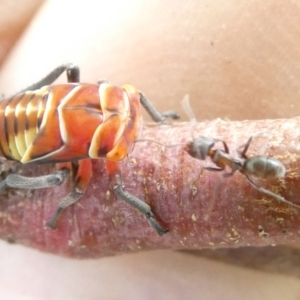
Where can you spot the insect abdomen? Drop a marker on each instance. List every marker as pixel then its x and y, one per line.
pixel 69 122
pixel 19 122
pixel 31 126
pixel 265 167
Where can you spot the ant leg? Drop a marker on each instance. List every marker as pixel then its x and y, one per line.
pixel 225 146
pixel 212 169
pixel 226 149
pixel 267 192
pixel 243 154
pixel 154 114
pixel 219 170
pixel 33 183
pixel 72 76
pixel 81 181
pixel 114 172
pixel 229 174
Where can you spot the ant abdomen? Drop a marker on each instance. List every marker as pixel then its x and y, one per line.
pixel 264 167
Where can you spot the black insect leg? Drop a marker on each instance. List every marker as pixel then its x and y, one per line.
pixel 213 169
pixel 142 207
pixel 243 154
pixel 82 175
pixel 152 111
pixel 73 75
pixel 267 192
pixel 22 182
pixel 65 202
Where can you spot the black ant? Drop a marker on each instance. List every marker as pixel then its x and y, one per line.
pixel 259 166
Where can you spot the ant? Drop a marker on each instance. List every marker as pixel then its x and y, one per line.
pixel 259 166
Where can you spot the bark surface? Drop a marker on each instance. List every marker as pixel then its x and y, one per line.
pixel 201 209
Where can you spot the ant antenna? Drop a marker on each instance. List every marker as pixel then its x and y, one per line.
pixel 156 142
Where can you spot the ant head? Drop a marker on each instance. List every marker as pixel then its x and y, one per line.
pixel 199 147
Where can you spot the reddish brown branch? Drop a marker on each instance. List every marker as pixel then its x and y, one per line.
pixel 201 211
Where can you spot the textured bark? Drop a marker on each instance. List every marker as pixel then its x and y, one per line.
pixel 201 210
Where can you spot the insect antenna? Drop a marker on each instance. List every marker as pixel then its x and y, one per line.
pixel 156 142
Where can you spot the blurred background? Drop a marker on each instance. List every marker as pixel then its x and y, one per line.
pixel 236 59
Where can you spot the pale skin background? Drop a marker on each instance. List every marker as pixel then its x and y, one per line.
pixel 236 59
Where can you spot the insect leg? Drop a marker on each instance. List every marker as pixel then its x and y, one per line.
pixel 228 174
pixel 267 192
pixel 72 76
pixel 81 180
pixel 154 114
pixel 212 169
pixel 243 154
pixel 22 182
pixel 226 149
pixel 145 209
